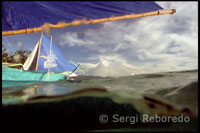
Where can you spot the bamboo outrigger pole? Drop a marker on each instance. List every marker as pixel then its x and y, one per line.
pixel 48 26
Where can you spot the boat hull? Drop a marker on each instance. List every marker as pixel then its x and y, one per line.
pixel 17 77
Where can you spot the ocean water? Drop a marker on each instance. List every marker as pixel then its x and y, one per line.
pixel 165 94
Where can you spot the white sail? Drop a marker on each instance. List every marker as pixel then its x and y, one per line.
pixel 29 62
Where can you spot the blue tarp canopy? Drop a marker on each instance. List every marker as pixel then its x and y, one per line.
pixel 21 15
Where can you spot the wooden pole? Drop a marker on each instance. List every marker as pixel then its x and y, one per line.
pixel 47 26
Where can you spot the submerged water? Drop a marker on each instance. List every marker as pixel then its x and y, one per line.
pixel 160 93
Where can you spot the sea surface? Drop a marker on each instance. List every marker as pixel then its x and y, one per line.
pixel 163 94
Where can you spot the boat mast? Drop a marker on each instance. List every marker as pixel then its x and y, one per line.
pixel 38 51
pixel 49 65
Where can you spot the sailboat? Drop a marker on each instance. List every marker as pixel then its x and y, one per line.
pixel 46 63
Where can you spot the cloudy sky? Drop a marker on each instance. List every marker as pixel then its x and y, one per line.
pixel 151 44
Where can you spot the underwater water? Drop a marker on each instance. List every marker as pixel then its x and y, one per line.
pixel 85 99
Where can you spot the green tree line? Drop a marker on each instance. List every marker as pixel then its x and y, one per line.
pixel 19 56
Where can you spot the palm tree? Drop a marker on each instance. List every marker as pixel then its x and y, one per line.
pixel 19 56
pixel 22 55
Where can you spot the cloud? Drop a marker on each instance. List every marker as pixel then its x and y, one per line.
pixel 150 44
pixel 110 66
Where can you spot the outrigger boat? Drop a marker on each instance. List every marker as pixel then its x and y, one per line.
pixel 46 62
pixel 18 77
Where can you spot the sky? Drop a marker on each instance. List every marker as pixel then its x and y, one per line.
pixel 148 45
